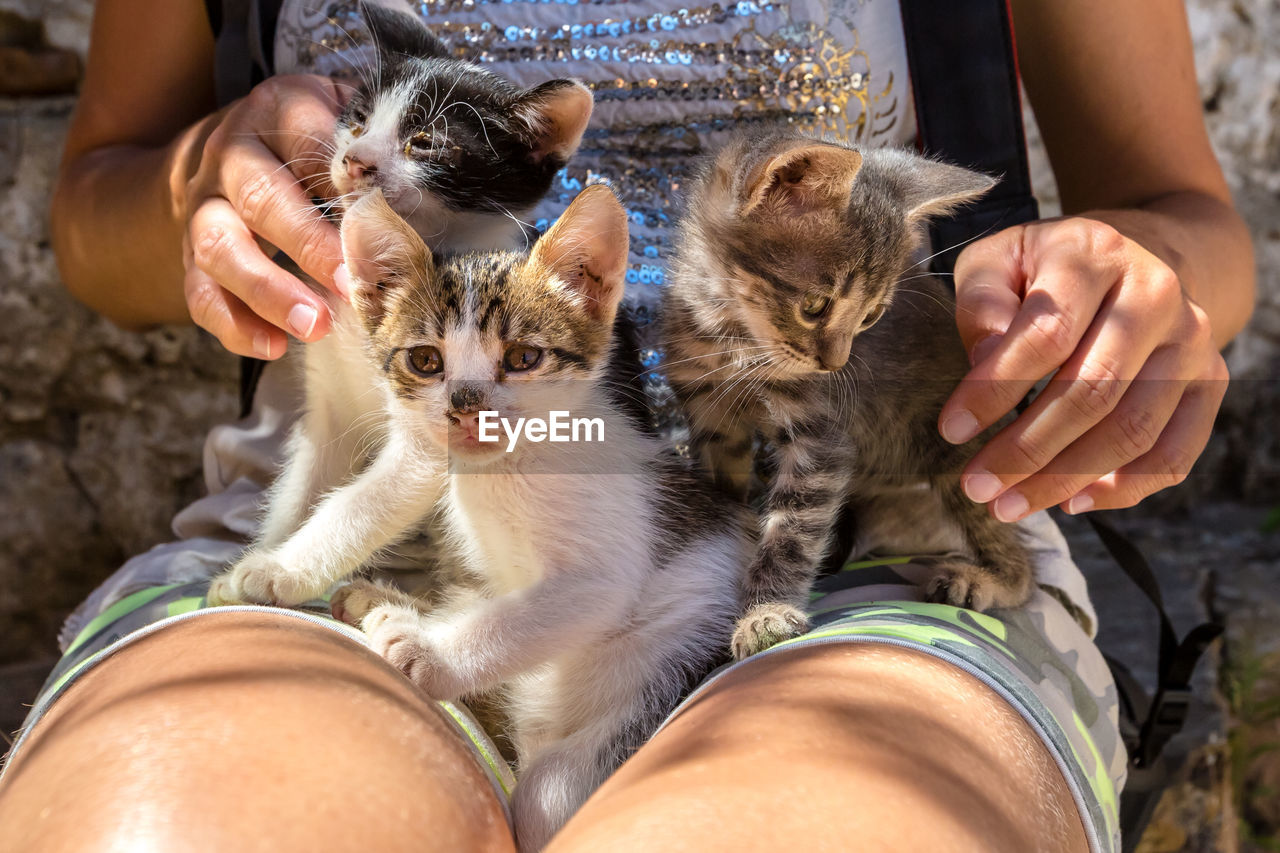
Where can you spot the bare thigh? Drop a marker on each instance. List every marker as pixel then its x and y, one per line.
pixel 247 731
pixel 837 747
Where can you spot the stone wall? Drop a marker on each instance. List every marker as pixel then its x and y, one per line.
pixel 100 430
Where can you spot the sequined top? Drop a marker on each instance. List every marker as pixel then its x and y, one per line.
pixel 670 81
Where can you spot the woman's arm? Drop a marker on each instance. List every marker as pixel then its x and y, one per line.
pixel 1129 297
pixel 162 203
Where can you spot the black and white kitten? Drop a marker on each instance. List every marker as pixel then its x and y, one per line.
pixel 458 152
pixel 609 571
pixel 786 317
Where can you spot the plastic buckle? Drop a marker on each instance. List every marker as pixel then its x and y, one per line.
pixel 1168 713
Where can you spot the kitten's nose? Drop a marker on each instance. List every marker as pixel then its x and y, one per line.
pixel 464 402
pixel 470 421
pixel 357 169
pixel 833 351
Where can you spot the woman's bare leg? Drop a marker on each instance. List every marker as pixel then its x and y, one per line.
pixel 837 747
pixel 247 731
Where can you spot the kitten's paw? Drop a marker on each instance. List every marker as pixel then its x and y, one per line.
pixel 964 584
pixel 399 634
pixel 765 625
pixel 223 592
pixel 352 602
pixel 262 578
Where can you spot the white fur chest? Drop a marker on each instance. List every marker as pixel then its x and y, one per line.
pixel 519 528
pixel 496 519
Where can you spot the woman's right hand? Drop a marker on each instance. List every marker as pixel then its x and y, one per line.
pixel 262 160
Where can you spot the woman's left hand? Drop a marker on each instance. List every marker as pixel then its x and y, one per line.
pixel 1138 376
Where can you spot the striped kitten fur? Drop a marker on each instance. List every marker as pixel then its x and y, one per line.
pixel 454 149
pixel 788 317
pixel 609 572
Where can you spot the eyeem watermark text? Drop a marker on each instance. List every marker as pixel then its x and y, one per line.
pixel 558 427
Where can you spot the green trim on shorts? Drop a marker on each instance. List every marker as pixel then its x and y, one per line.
pixel 154 608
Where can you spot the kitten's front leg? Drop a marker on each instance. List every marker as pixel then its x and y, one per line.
pixel 490 640
pixel 396 491
pixel 814 469
pixel 720 426
pixel 999 574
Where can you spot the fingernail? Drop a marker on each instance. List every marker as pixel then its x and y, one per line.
pixel 1079 504
pixel 262 344
pixel 302 319
pixel 982 486
pixel 1011 506
pixel 960 427
pixel 984 348
pixel 342 281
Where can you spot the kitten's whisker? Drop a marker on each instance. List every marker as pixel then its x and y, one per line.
pixel 965 242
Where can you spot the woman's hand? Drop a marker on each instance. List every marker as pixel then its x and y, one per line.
pixel 263 159
pixel 1139 378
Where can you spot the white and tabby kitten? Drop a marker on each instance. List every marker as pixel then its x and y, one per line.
pixel 610 570
pixel 790 252
pixel 457 150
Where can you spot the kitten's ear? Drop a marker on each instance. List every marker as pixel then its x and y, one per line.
pixel 556 113
pixel 930 188
pixel 382 253
pixel 587 251
pixel 397 33
pixel 804 179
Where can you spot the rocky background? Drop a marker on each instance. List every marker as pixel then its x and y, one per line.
pixel 100 430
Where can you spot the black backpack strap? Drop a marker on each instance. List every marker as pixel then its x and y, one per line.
pixel 244 34
pixel 964 76
pixel 1178 658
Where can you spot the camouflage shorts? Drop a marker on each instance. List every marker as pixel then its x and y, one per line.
pixel 1040 658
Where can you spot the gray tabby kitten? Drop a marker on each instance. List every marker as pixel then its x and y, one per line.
pixel 791 250
pixel 610 572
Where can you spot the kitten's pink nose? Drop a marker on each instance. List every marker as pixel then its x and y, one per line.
pixel 357 169
pixel 470 421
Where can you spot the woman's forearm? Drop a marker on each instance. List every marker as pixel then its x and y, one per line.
pixel 1206 243
pixel 118 228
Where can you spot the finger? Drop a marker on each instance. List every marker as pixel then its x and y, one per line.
pixel 224 249
pixel 989 281
pixel 1170 460
pixel 274 206
pixel 1085 390
pixel 230 320
pixel 296 117
pixel 1062 297
pixel 1130 431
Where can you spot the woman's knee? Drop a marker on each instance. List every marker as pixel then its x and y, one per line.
pixel 823 746
pixel 241 730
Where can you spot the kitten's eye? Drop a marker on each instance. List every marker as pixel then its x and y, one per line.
pixel 873 315
pixel 420 143
pixel 358 120
pixel 815 305
pixel 424 361
pixel 522 357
